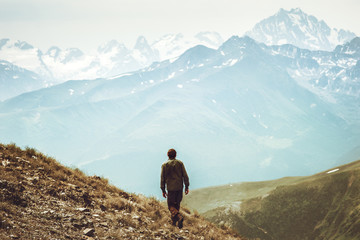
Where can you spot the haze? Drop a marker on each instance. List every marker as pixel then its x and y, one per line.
pixel 86 24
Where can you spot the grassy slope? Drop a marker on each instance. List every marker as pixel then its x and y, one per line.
pixel 230 196
pixel 322 206
pixel 41 199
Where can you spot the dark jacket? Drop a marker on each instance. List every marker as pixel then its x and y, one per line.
pixel 174 176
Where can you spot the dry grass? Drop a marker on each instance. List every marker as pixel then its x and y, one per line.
pixel 39 197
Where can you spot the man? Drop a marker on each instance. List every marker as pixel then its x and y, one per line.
pixel 174 176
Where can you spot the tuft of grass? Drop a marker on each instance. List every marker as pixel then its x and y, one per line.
pixel 118 203
pixel 30 152
pixel 13 148
pixel 7 208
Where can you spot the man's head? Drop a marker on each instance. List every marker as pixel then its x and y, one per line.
pixel 171 153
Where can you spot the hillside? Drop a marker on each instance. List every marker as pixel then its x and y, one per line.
pixel 322 206
pixel 41 199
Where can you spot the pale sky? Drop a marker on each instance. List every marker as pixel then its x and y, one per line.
pixel 88 23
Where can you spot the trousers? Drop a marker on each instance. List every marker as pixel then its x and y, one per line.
pixel 173 200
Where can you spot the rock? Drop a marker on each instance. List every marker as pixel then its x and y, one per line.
pixel 78 226
pixel 103 224
pixel 5 162
pixel 136 217
pixel 103 208
pixel 83 209
pixel 90 232
pixel 35 179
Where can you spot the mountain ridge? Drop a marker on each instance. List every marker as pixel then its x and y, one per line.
pixel 322 206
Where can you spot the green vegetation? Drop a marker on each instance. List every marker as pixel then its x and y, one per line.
pixel 322 206
pixel 206 199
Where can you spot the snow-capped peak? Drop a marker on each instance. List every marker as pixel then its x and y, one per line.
pixel 111 46
pixel 210 39
pixel 22 54
pixel 173 45
pixel 23 45
pixel 141 43
pixel 300 29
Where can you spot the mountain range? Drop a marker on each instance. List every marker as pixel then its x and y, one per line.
pixel 57 65
pixel 111 58
pixel 247 111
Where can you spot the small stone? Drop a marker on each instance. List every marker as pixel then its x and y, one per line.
pixel 104 224
pixel 103 208
pixel 83 209
pixel 78 226
pixel 89 232
pixel 5 162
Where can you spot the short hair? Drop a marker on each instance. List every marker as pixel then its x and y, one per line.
pixel 171 153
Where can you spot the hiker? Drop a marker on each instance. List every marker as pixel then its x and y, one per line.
pixel 174 176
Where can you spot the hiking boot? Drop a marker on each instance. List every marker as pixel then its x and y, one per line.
pixel 175 219
pixel 180 222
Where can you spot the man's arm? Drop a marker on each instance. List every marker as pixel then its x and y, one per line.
pixel 162 181
pixel 186 179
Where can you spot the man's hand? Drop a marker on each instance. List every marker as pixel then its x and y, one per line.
pixel 186 191
pixel 164 194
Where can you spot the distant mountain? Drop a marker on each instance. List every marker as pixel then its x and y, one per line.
pixel 173 45
pixel 300 29
pixel 321 206
pixel 15 80
pixel 23 55
pixel 111 58
pixel 246 111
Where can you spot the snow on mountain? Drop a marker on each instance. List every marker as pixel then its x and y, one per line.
pixel 67 64
pixel 143 52
pixel 23 55
pixel 351 48
pixel 15 80
pixel 173 45
pixel 300 29
pixel 210 39
pixel 114 58
pixel 110 59
pixel 327 73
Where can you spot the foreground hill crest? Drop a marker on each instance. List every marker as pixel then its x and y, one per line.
pixel 41 199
